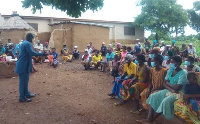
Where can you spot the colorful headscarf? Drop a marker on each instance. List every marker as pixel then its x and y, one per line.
pixel 154 41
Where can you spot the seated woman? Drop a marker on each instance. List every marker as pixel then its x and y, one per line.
pixel 37 59
pixel 189 62
pixel 2 49
pixel 162 102
pixel 167 59
pixel 76 52
pixel 157 75
pixel 123 54
pixel 109 57
pixel 129 72
pixel 67 56
pixel 96 59
pixel 115 67
pixel 183 51
pixel 10 51
pixel 188 107
pixel 138 84
pixel 103 49
pixel 86 59
pixel 118 49
pixel 154 52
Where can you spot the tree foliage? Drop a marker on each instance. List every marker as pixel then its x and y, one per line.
pixel 194 16
pixel 73 8
pixel 162 16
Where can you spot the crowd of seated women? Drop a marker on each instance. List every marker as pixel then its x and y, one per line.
pixel 160 79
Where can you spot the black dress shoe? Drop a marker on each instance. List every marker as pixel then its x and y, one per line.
pixel 25 100
pixel 31 95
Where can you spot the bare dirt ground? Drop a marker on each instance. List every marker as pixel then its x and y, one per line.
pixel 66 95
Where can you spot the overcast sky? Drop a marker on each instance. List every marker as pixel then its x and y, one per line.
pixel 113 10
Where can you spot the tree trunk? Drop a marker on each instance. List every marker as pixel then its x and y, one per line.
pixel 156 37
pixel 176 34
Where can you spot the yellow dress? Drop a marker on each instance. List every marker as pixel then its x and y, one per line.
pixel 157 78
pixel 138 87
pixel 96 59
pixel 67 56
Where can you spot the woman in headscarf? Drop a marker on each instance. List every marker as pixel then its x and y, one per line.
pixel 138 84
pixel 129 72
pixel 67 56
pixel 118 49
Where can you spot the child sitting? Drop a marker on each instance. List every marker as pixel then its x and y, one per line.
pixel 53 58
pixel 109 57
pixel 76 52
pixel 192 92
pixel 50 58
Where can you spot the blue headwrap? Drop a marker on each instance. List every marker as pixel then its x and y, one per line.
pixel 173 41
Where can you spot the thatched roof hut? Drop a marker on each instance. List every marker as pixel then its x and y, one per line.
pixel 15 28
pixel 16 22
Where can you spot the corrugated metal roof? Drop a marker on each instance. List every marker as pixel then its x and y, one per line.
pixel 83 23
pixel 69 19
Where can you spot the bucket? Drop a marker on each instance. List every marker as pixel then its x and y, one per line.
pixel 8 58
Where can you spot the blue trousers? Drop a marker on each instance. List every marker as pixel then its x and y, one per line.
pixel 116 87
pixel 23 85
pixel 194 105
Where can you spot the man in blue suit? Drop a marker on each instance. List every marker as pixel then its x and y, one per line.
pixel 24 67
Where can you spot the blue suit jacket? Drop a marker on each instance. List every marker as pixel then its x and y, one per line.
pixel 24 62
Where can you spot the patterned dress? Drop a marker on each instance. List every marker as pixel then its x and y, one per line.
pixel 163 103
pixel 186 111
pixel 157 78
pixel 139 86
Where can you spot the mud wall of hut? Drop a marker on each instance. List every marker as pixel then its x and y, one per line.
pixel 79 35
pixel 7 69
pixel 83 34
pixel 61 34
pixel 14 35
pixel 44 36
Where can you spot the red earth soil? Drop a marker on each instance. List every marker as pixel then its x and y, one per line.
pixel 66 95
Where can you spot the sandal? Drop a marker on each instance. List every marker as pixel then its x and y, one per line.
pixel 120 103
pixel 136 111
pixel 143 122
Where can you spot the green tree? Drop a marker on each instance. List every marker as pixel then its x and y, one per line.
pixel 162 16
pixel 194 16
pixel 73 8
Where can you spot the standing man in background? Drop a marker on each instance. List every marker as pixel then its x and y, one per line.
pixel 24 67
